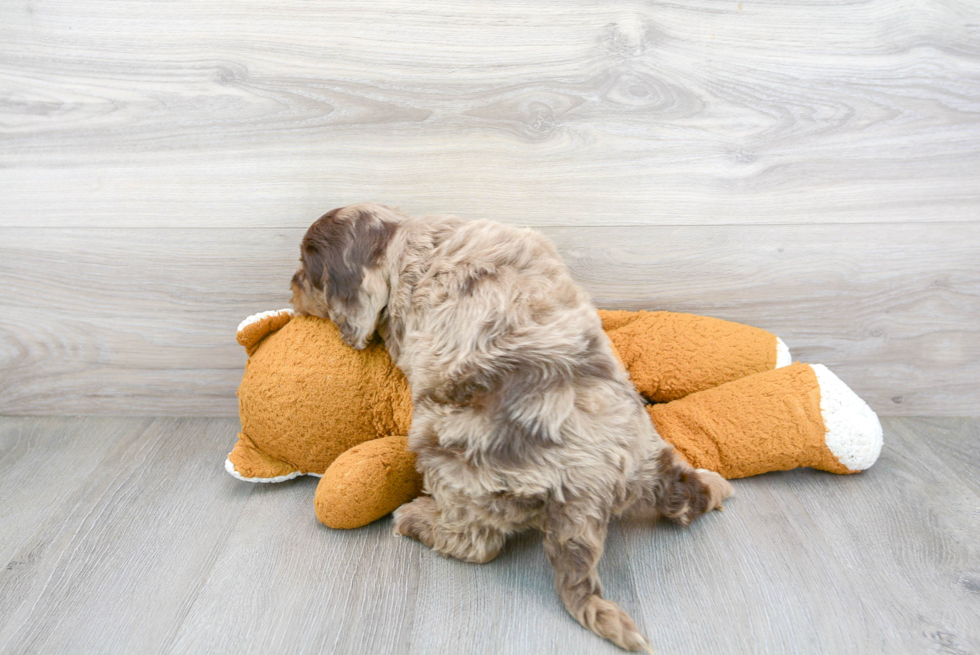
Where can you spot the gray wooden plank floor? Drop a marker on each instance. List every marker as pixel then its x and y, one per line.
pixel 124 535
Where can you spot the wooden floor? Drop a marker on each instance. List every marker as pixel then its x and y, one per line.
pixel 126 536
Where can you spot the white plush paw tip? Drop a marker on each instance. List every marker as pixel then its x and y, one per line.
pixel 854 433
pixel 783 356
pixel 230 468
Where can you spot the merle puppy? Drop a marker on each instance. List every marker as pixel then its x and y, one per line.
pixel 523 416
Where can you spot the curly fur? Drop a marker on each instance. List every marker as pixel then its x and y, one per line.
pixel 523 416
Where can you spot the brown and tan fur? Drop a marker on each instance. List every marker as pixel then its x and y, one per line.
pixel 523 417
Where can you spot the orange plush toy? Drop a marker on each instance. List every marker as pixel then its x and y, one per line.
pixel 725 395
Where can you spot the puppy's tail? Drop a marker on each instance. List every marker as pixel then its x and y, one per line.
pixel 573 541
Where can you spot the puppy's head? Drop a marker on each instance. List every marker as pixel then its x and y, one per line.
pixel 340 273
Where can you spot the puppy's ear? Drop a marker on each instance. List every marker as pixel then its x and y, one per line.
pixel 359 322
pixel 357 281
pixel 342 254
pixel 311 275
pixel 321 245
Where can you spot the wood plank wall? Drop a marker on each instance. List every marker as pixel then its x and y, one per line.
pixel 809 167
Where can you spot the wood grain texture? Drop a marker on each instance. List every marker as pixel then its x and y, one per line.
pixel 111 321
pixel 811 167
pixel 157 550
pixel 113 565
pixel 26 449
pixel 548 113
pixel 877 563
pixel 956 443
pixel 323 591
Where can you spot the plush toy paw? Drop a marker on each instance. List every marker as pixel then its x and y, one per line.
pixel 248 463
pixel 799 415
pixel 852 431
pixel 367 482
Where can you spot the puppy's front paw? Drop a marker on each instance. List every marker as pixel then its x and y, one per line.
pixel 414 519
pixel 718 487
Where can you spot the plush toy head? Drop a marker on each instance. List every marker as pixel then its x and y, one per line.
pixel 307 397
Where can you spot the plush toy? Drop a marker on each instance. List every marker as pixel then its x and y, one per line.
pixel 725 395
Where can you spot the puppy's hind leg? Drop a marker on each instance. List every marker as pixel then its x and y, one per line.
pixel 574 543
pixel 421 519
pixel 681 493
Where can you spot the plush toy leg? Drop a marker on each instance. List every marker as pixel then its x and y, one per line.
pixel 670 355
pixel 800 415
pixel 367 482
pixel 247 463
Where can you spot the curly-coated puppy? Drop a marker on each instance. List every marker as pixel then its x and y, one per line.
pixel 523 416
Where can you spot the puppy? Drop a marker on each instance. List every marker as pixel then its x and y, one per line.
pixel 523 416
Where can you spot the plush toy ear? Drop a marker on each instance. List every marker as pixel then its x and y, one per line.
pixel 256 327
